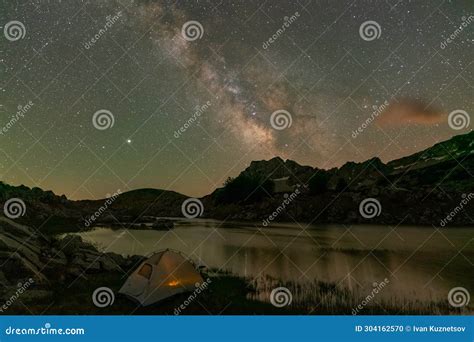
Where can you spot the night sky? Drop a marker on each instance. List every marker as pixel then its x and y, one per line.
pixel 148 75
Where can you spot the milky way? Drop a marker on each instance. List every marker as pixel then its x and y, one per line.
pixel 225 75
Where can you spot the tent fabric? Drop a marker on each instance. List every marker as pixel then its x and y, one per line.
pixel 162 275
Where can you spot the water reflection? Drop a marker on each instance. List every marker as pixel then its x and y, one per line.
pixel 421 263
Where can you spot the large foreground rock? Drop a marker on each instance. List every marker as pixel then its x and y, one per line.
pixel 20 251
pixel 28 256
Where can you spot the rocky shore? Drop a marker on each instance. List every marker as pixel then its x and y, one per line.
pixel 44 264
pixel 45 275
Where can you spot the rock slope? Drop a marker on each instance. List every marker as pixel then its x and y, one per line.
pixel 29 258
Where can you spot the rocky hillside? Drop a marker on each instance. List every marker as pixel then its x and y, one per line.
pixel 51 213
pixel 419 189
pixel 34 264
pixel 448 165
pixel 135 204
pixel 278 168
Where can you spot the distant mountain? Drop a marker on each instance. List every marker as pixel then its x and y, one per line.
pixel 278 168
pixel 456 148
pixel 39 204
pixel 419 189
pixel 141 202
pixel 47 211
pixel 448 165
pixel 441 160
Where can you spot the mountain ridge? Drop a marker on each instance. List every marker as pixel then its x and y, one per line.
pixel 432 172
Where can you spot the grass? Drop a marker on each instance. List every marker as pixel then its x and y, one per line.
pixel 227 295
pixel 324 298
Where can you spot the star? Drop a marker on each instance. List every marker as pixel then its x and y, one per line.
pixel 328 80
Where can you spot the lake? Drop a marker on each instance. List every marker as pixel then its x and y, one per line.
pixel 421 263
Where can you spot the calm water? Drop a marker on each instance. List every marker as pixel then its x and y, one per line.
pixel 421 263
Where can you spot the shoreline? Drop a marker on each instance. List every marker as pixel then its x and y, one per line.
pixel 66 272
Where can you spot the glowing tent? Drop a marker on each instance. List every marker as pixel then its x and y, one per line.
pixel 162 275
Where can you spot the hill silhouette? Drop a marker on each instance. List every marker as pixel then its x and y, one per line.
pixel 418 189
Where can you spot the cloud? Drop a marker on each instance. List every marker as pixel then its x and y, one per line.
pixel 410 111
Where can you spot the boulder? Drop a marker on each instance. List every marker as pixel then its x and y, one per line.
pixel 87 266
pixel 56 260
pixel 70 244
pixel 15 265
pixel 27 248
pixel 20 251
pixel 11 227
pixel 116 258
pixel 108 264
